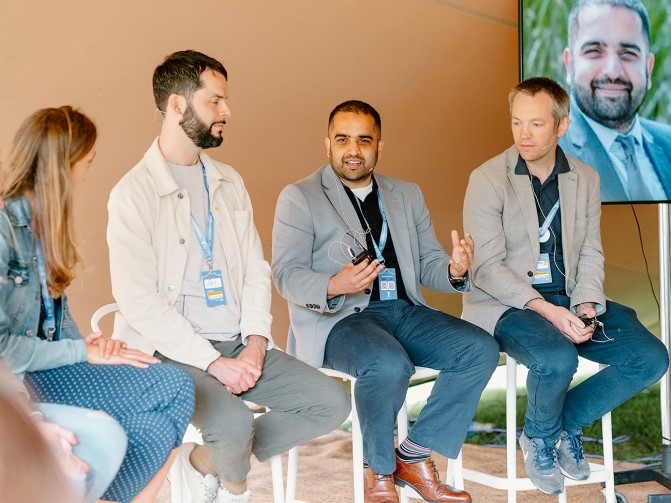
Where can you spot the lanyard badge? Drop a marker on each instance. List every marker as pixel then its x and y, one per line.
pixel 543 272
pixel 213 280
pixel 47 299
pixel 387 283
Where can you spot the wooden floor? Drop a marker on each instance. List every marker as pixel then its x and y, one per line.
pixel 325 476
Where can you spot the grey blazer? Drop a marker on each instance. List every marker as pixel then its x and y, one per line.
pixel 581 142
pixel 314 222
pixel 500 213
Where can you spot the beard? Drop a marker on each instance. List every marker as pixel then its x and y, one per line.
pixel 199 132
pixel 364 171
pixel 615 113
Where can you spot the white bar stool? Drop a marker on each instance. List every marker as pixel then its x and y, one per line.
pixel 512 483
pixel 454 472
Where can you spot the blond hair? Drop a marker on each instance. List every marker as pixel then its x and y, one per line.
pixel 46 146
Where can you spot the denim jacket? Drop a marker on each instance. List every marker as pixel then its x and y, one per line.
pixel 21 302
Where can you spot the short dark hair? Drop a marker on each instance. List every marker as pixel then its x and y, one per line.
pixel 634 5
pixel 534 85
pixel 357 107
pixel 180 74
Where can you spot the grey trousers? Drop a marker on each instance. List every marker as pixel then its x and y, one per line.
pixel 303 402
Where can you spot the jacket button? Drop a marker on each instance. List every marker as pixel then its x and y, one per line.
pixel 367 291
pixel 530 274
pixel 171 288
pixel 29 333
pixel 18 280
pixel 357 309
pixel 182 241
pixel 180 195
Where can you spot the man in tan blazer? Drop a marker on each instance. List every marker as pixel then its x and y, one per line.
pixel 534 214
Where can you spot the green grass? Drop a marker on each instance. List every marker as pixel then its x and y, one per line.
pixel 638 418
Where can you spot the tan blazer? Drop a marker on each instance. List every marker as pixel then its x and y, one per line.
pixel 500 214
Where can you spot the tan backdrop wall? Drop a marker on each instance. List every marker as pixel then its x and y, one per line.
pixel 438 72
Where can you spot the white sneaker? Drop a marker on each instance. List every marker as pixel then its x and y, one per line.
pixel 202 489
pixel 226 496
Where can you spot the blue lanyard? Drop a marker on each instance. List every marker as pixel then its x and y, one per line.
pixel 205 243
pixel 384 232
pixel 47 299
pixel 548 220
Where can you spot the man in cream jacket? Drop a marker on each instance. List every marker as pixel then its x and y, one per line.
pixel 192 286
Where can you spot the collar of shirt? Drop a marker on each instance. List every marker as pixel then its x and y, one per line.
pixel 607 136
pixel 561 166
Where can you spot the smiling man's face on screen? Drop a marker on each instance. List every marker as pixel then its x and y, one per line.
pixel 609 65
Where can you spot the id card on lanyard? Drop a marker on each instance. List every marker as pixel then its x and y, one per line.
pixel 213 280
pixel 543 272
pixel 387 278
pixel 47 299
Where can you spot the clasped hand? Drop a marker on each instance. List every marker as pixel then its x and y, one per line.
pixel 570 325
pixel 103 351
pixel 241 373
pixel 61 440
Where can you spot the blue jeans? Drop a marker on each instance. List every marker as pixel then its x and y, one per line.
pixel 635 358
pixel 381 345
pixel 101 443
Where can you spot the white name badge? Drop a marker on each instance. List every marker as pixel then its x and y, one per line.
pixel 543 273
pixel 387 283
pixel 213 284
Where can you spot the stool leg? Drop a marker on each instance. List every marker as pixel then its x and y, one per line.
pixel 357 451
pixel 607 439
pixel 175 475
pixel 455 472
pixel 402 422
pixel 511 427
pixel 278 478
pixel 292 474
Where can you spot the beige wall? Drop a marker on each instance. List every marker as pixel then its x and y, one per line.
pixel 438 72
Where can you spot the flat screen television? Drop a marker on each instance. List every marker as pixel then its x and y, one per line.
pixel 609 68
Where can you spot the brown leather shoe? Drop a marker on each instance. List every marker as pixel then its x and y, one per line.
pixel 423 478
pixel 378 488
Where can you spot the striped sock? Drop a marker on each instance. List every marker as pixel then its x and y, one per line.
pixel 410 452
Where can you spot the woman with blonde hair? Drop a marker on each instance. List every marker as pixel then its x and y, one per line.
pixel 51 154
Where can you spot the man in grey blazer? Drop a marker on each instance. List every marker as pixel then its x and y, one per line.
pixel 538 274
pixel 370 320
pixel 609 67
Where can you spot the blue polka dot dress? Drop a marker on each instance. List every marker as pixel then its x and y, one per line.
pixel 153 405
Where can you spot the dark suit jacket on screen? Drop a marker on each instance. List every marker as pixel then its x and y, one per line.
pixel 581 142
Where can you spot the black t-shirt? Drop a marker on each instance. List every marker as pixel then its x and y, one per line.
pixel 371 212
